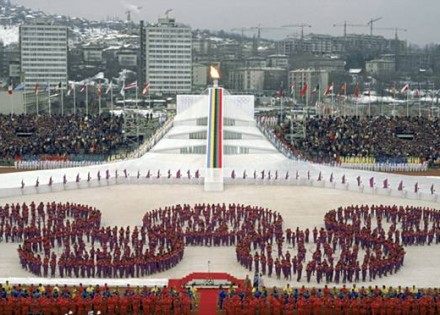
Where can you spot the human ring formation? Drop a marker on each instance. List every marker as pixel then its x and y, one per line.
pixel 356 243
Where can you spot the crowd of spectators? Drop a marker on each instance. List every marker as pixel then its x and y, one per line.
pixel 61 300
pixel 331 301
pixel 59 135
pixel 383 138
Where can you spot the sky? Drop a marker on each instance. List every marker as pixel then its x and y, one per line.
pixel 419 18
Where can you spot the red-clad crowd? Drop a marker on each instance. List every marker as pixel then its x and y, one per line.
pixel 55 300
pixel 358 243
pixel 354 301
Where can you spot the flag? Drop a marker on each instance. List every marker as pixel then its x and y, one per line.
pixel 416 188
pixel 71 88
pixel 47 87
pixel 292 89
pixel 10 87
pixel 83 88
pixel 36 88
pixel 404 89
pixel 356 90
pixel 20 87
pixel 122 92
pixel 316 89
pixel 385 183
pixel 303 90
pixel 64 179
pixel 59 86
pixel 110 86
pixel 130 86
pixel 329 90
pixel 371 182
pixel 343 89
pixel 417 93
pixel 280 92
pixel 99 89
pixel 400 187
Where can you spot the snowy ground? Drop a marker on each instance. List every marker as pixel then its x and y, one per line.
pixel 300 206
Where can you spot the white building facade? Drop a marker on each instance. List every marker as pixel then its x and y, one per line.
pixel 43 54
pixel 169 57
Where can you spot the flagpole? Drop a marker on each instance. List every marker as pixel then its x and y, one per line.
pixel 87 98
pixel 111 96
pixel 12 104
pixel 74 98
pixel 345 97
pixel 62 101
pixel 99 100
pixel 36 96
pixel 48 92
pixel 25 101
pixel 407 104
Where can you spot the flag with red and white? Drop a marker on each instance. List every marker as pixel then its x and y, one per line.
pixel 303 90
pixel 404 89
pixel 356 90
pixel 146 88
pixel 316 89
pixel 99 89
pixel 342 89
pixel 36 88
pixel 71 88
pixel 83 88
pixel 292 89
pixel 329 90
pixel 130 86
pixel 10 87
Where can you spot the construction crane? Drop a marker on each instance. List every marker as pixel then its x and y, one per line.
pixel 371 22
pixel 348 24
pixel 242 30
pixel 395 29
pixel 167 12
pixel 302 25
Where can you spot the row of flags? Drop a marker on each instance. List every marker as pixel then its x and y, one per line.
pixel 343 90
pixel 72 86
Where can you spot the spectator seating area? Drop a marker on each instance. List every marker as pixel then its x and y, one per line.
pixel 385 140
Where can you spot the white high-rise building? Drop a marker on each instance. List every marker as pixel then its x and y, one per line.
pixel 168 57
pixel 43 54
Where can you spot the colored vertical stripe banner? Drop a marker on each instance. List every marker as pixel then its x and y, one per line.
pixel 215 129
